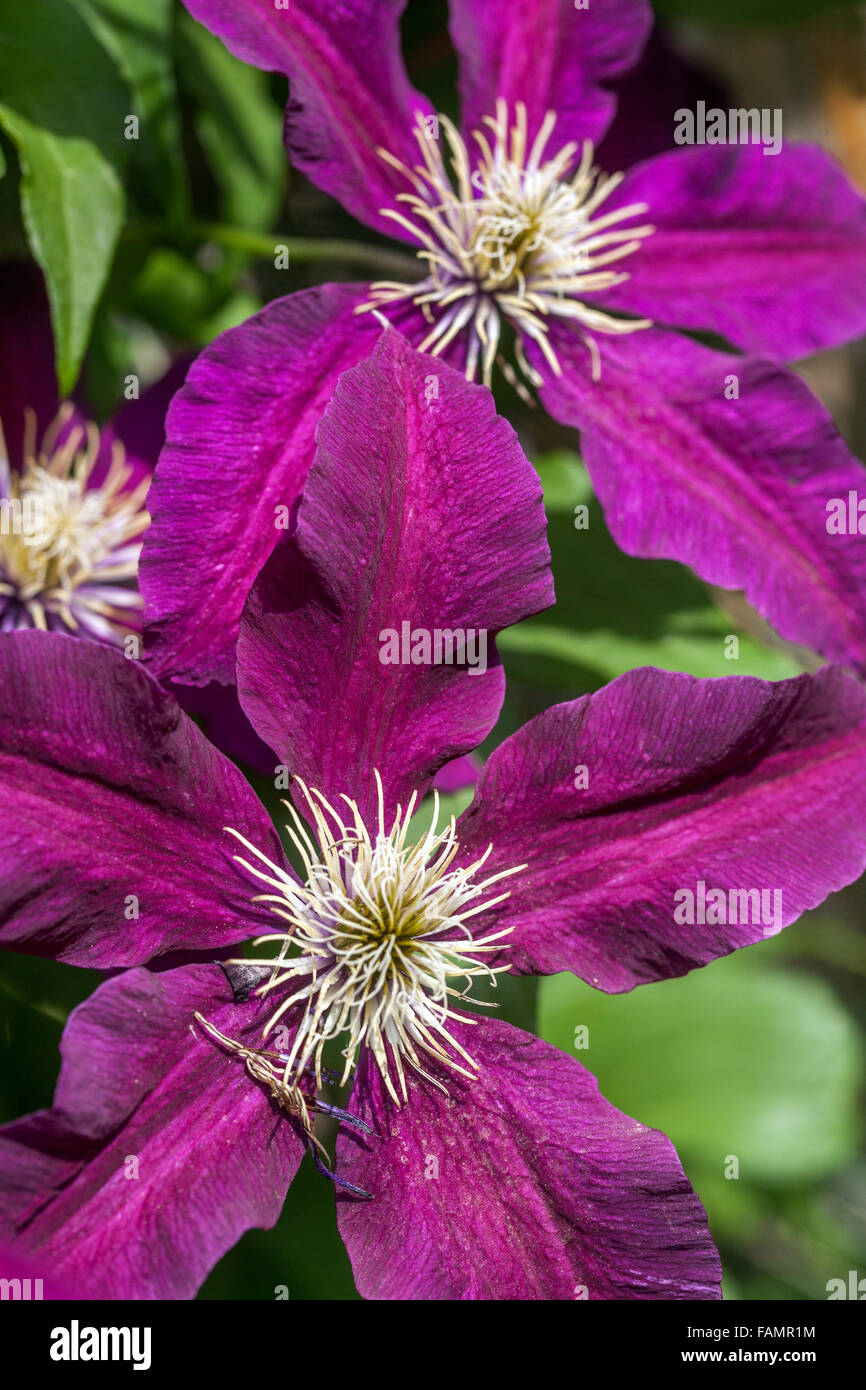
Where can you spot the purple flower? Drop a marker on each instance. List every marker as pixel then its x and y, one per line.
pixel 72 496
pixel 531 257
pixel 474 1160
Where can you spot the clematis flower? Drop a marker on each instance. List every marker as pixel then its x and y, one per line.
pixel 72 497
pixel 575 281
pixel 473 1160
pixel 73 505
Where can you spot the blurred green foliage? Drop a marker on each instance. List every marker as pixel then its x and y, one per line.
pixel 69 141
pixel 750 12
pixel 754 1072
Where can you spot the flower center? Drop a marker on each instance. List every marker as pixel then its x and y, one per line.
pixel 377 947
pixel 512 238
pixel 68 548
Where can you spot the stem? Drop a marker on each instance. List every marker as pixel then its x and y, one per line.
pixel 302 250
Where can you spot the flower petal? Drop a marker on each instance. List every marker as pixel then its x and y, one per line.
pixel 420 515
pixel 623 799
pixel 160 1150
pixel 548 54
pixel 457 776
pixel 40 1285
pixel 524 1184
pixel 767 250
pixel 348 89
pixel 239 443
pixel 113 847
pixel 217 711
pixel 737 488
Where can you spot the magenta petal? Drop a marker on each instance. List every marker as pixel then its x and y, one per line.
pixel 457 776
pixel 160 1150
pixel 217 711
pixel 420 509
pixel 113 847
pixel 737 488
pixel 524 1184
pixel 621 800
pixel 548 54
pixel 41 1284
pixel 239 443
pixel 348 89
pixel 767 250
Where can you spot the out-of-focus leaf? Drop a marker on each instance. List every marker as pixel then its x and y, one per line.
pixel 236 309
pixel 450 804
pixel 737 1059
pixel 140 37
pixel 177 297
pixel 63 105
pixel 238 124
pixel 36 997
pixel 694 642
pixel 614 612
pixel 72 205
pixel 170 292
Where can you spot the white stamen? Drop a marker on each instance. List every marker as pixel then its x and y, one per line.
pixel 510 239
pixel 378 937
pixel 69 550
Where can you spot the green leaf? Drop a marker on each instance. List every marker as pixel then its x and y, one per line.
pixel 170 292
pixel 450 804
pixel 738 1058
pixel 238 124
pixel 63 108
pixel 235 310
pixel 72 205
pixel 36 998
pixel 140 38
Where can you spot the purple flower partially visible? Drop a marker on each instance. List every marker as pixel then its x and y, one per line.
pixel 72 497
pixel 534 260
pixel 73 505
pixel 476 1161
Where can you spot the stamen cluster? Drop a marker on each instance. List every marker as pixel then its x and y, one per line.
pixel 68 548
pixel 376 939
pixel 511 238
